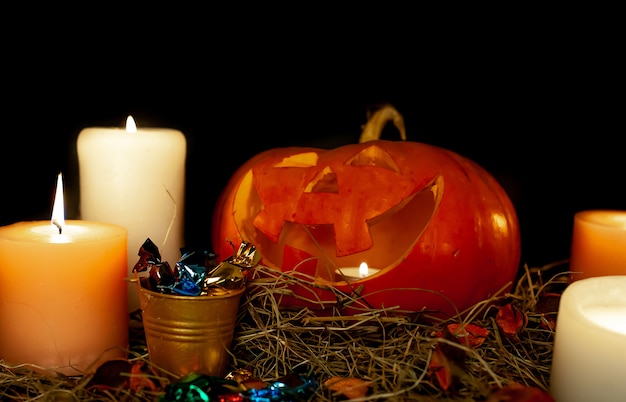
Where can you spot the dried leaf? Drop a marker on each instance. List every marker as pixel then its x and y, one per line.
pixel 547 307
pixel 349 386
pixel 108 376
pixel 511 321
pixel 140 377
pixel 519 393
pixel 440 368
pixel 470 335
pixel 447 363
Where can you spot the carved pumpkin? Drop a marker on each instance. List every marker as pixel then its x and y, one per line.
pixel 441 230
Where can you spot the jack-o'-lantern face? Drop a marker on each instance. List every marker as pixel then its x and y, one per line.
pixel 439 229
pixel 334 210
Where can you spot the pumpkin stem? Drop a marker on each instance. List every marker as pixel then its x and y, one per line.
pixel 376 121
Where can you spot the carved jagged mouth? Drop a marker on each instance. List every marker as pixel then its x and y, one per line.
pixel 393 234
pixel 376 216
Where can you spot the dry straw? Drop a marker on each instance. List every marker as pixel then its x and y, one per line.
pixel 390 350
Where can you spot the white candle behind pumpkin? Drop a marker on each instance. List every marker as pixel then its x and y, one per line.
pixel 135 177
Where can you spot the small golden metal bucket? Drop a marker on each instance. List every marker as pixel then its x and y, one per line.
pixel 186 334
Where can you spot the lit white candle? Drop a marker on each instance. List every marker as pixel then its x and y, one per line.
pixel 135 177
pixel 589 355
pixel 355 273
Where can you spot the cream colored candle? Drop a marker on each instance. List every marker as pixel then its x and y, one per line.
pixel 135 177
pixel 63 303
pixel 598 244
pixel 589 354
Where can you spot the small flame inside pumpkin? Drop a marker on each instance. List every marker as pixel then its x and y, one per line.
pixel 363 270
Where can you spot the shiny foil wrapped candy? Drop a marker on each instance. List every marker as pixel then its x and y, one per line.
pixel 203 388
pixel 197 272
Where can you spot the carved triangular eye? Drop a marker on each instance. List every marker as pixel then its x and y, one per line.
pixel 374 156
pixel 324 182
pixel 305 159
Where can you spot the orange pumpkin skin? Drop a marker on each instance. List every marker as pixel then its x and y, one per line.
pixel 440 228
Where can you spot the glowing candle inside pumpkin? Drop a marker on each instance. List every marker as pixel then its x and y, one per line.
pixel 354 273
pixel 135 177
pixel 589 355
pixel 63 303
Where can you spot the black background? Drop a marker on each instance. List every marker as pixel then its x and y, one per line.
pixel 538 106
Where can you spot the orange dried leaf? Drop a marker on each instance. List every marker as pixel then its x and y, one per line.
pixel 511 321
pixel 519 393
pixel 447 363
pixel 548 321
pixel 139 378
pixel 470 335
pixel 440 369
pixel 349 386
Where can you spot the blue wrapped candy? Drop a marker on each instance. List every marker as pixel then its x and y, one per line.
pixel 203 388
pixel 196 273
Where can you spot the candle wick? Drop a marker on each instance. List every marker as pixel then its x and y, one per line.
pixel 55 223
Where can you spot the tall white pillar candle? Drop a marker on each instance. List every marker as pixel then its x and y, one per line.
pixel 135 177
pixel 589 354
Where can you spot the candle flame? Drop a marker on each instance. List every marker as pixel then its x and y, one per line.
pixel 363 270
pixel 131 127
pixel 58 208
